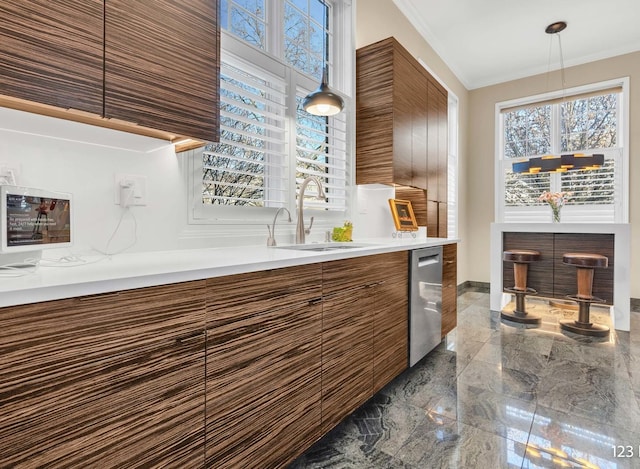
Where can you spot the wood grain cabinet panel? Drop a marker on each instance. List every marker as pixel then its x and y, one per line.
pixel 113 380
pixel 162 65
pixel 390 330
pixel 51 52
pixel 449 288
pixel 365 330
pixel 393 131
pixel 263 379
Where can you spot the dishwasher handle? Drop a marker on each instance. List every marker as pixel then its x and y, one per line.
pixel 428 260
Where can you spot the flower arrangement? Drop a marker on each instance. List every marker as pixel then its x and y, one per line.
pixel 556 200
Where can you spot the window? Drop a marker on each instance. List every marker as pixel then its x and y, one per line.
pixel 271 57
pixel 586 120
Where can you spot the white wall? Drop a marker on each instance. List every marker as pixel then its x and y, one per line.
pixel 54 154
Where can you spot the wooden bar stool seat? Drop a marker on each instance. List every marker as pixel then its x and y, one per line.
pixel 585 264
pixel 521 259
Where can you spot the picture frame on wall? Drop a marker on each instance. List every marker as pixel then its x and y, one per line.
pixel 403 216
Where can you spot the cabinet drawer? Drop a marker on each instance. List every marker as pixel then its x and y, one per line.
pixel 352 273
pixel 265 290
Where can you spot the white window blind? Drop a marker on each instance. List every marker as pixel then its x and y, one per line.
pixel 321 150
pixel 249 166
pixel 589 120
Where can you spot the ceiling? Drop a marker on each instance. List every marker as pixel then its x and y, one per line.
pixel 485 42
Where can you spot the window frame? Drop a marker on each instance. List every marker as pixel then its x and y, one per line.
pixel 621 204
pixel 341 51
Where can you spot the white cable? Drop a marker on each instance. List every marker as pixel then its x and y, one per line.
pixel 135 233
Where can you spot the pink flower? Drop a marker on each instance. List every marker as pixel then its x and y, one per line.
pixel 555 199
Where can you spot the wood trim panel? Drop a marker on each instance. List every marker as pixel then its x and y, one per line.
pixel 162 65
pixel 51 52
pixel 264 290
pixel 103 381
pixel 449 288
pixel 443 220
pixel 263 385
pixel 347 354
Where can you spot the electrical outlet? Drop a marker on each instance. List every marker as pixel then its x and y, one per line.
pixel 130 189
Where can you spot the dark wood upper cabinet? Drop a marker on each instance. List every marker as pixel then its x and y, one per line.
pixel 51 52
pixel 161 65
pixel 400 111
pixel 150 68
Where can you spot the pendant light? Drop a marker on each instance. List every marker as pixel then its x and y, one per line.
pixel 323 101
pixel 562 163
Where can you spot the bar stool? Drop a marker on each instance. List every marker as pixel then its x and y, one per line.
pixel 585 265
pixel 521 259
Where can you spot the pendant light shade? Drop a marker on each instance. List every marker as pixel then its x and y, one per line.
pixel 323 101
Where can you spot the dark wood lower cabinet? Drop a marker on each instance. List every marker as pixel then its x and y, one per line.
pixel 243 371
pixel 113 380
pixel 365 330
pixel 263 367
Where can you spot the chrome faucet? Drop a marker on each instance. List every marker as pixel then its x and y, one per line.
pixel 301 231
pixel 271 240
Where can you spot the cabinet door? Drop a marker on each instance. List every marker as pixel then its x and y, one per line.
pixel 51 52
pixel 347 353
pixel 433 133
pixel 443 146
pixel 113 380
pixel 443 222
pixel 162 65
pixel 263 366
pixel 404 97
pixel 391 319
pixel 263 385
pixel 449 288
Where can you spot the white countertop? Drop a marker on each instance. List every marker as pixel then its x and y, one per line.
pixel 102 274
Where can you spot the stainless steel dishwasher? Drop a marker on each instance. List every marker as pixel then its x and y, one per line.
pixel 425 293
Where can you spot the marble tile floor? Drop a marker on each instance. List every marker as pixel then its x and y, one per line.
pixel 494 395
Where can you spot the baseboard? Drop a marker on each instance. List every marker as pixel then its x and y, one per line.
pixel 469 285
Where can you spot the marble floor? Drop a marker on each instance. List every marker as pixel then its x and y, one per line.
pixel 496 396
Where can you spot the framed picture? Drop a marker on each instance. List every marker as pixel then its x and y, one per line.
pixel 403 216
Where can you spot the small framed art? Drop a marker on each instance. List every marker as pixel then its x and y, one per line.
pixel 403 215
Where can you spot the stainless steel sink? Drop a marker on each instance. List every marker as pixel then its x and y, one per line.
pixel 323 246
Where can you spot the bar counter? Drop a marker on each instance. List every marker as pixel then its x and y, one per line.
pixel 615 284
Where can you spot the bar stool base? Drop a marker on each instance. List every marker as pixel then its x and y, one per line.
pixel 519 317
pixel 590 329
pixel 583 325
pixel 519 314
